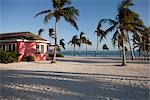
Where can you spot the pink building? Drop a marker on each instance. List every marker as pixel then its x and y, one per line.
pixel 25 43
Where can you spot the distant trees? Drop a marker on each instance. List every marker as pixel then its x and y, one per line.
pixel 142 42
pixel 51 34
pixel 40 31
pixel 105 47
pixel 62 44
pixel 60 9
pixel 87 42
pixel 75 42
pixel 82 40
pixel 101 34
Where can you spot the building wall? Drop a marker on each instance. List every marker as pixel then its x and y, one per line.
pixel 27 48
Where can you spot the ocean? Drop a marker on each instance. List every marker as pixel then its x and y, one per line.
pixel 99 53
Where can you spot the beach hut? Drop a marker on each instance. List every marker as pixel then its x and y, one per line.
pixel 25 44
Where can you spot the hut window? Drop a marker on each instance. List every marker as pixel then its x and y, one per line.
pixel 42 48
pixel 13 47
pixel 9 48
pixel 37 49
pixel 4 47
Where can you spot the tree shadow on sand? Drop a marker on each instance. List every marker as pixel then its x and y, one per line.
pixel 65 85
pixel 114 61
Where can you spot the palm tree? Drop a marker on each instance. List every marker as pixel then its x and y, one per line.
pixel 40 31
pixel 82 40
pixel 100 36
pixel 146 41
pixel 51 34
pixel 59 10
pixel 126 21
pixel 75 42
pixel 62 44
pixel 87 42
pixel 142 42
pixel 105 47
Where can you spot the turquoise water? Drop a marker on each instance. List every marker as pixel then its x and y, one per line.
pixel 99 53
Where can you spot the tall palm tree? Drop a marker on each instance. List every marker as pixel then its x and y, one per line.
pixel 60 9
pixel 62 44
pixel 40 31
pixel 75 42
pixel 126 21
pixel 82 40
pixel 87 42
pixel 100 34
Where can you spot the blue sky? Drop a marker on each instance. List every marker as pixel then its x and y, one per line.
pixel 18 15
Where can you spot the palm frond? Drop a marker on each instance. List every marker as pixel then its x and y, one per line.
pixel 70 14
pixel 115 38
pixel 110 29
pixel 81 34
pixel 70 42
pixel 71 11
pixel 43 12
pixel 48 16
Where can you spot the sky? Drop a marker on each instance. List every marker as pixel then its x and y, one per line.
pixel 18 16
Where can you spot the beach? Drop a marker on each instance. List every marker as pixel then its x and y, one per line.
pixel 76 78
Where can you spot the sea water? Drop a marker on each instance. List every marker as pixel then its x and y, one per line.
pixel 99 53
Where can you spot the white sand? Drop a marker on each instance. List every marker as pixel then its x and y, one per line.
pixel 74 78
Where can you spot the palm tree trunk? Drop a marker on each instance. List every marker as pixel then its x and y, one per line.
pixel 124 63
pixel 74 50
pixel 139 52
pixel 86 49
pixel 120 53
pixel 49 39
pixel 79 48
pixel 131 50
pixel 96 47
pixel 55 49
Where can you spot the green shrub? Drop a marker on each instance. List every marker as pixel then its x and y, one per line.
pixel 30 58
pixel 57 55
pixel 8 57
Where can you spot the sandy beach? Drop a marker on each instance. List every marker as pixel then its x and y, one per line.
pixel 76 78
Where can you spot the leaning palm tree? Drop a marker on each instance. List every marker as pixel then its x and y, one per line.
pixel 82 40
pixel 62 44
pixel 142 42
pixel 75 42
pixel 59 10
pixel 146 42
pixel 40 31
pixel 100 36
pixel 87 42
pixel 126 21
